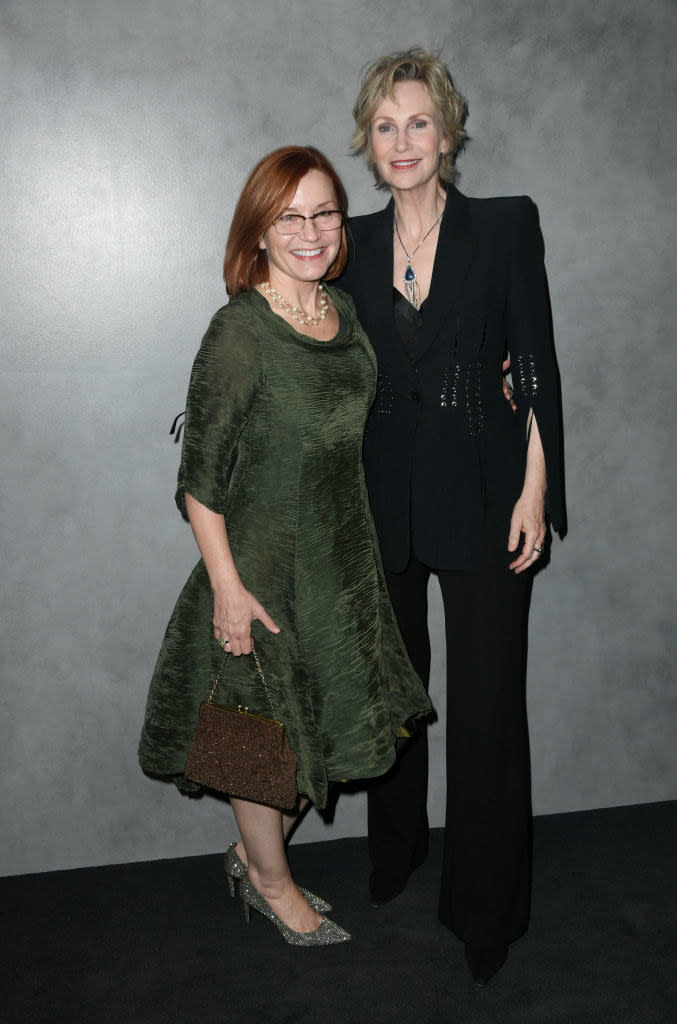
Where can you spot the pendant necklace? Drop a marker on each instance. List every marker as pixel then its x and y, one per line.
pixel 295 312
pixel 411 288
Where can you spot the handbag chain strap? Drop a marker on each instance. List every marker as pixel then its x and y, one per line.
pixel 263 680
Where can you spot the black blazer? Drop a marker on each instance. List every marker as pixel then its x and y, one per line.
pixel 443 449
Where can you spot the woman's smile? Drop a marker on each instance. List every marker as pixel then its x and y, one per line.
pixel 309 254
pixel 404 165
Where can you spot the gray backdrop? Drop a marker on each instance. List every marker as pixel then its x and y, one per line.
pixel 128 129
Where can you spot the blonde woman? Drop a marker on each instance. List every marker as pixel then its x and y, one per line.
pixel 459 482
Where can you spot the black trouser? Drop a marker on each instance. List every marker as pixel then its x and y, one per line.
pixel 486 870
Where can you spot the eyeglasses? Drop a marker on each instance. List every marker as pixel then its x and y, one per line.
pixel 324 220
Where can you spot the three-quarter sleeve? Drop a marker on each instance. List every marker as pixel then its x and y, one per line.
pixel 223 384
pixel 532 357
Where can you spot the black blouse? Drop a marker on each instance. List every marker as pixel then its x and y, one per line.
pixel 408 322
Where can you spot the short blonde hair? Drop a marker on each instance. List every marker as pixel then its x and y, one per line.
pixel 379 79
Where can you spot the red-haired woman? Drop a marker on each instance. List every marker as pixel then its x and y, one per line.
pixel 271 481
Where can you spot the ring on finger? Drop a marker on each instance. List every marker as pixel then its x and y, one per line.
pixel 538 550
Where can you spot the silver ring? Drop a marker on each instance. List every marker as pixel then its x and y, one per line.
pixel 536 548
pixel 223 641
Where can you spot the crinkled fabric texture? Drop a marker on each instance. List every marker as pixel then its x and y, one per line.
pixel 273 440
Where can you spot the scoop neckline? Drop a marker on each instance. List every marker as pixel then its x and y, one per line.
pixel 339 338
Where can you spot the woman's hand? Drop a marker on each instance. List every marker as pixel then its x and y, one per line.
pixel 234 610
pixel 507 390
pixel 528 518
pixel 234 606
pixel 528 515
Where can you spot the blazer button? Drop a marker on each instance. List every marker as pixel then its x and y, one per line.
pixel 415 396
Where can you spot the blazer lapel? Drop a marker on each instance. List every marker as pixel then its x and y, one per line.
pixel 377 285
pixel 452 262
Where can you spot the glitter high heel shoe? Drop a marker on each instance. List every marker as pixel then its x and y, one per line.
pixel 327 933
pixel 237 869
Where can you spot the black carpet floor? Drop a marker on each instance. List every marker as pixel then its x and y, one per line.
pixel 163 942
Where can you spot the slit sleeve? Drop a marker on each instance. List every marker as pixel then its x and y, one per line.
pixel 532 354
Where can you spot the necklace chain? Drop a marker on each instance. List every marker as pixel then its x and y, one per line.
pixel 411 255
pixel 411 288
pixel 295 312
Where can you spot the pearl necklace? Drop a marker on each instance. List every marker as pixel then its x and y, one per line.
pixel 295 312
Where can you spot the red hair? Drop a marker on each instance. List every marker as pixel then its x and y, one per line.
pixel 267 193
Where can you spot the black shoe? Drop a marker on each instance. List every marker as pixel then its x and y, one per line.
pixel 485 963
pixel 383 889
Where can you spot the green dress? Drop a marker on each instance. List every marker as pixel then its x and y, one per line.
pixel 273 441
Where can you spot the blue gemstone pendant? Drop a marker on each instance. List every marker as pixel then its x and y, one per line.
pixel 409 274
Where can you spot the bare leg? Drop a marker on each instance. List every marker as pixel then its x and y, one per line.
pixel 263 835
pixel 289 819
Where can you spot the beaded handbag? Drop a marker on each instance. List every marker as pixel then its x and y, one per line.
pixel 242 754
